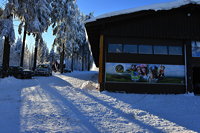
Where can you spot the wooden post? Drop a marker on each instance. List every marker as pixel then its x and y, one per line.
pixel 188 63
pixel 101 63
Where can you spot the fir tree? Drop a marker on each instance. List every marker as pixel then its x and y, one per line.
pixel 7 32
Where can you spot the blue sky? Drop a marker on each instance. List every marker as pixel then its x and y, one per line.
pixel 98 7
pixel 104 6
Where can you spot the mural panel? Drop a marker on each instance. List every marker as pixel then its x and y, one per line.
pixel 145 73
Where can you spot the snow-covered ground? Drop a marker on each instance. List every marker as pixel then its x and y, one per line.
pixel 58 104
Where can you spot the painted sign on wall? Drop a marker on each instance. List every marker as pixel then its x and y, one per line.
pixel 145 73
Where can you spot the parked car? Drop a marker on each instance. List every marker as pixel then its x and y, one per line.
pixel 66 70
pixel 1 71
pixel 43 70
pixel 19 72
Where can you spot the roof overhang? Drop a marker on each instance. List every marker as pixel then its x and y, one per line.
pixel 95 26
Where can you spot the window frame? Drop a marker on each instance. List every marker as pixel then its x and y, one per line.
pixel 116 51
pixel 142 53
pixel 139 52
pixel 130 45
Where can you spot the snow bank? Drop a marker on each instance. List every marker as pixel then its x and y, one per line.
pixel 9 104
pixel 9 82
pixel 92 83
pixel 155 7
pixel 94 68
pixel 89 85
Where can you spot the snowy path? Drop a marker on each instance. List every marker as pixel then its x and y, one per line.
pixel 57 104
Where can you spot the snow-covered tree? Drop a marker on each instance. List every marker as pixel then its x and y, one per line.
pixel 43 53
pixel 18 45
pixel 51 55
pixel 34 16
pixel 16 53
pixel 6 22
pixel 43 14
pixel 7 32
pixel 1 50
pixel 27 58
pixel 68 28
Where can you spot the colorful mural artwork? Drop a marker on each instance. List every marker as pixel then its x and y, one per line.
pixel 145 73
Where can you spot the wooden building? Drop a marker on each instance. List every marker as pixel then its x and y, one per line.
pixel 153 49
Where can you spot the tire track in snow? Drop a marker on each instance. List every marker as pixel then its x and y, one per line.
pixel 128 116
pixel 143 116
pixel 40 112
pixel 83 121
pixel 104 118
pixel 153 121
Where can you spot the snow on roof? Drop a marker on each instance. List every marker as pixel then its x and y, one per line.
pixel 155 7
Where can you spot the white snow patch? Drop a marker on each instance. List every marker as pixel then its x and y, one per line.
pixel 94 68
pixel 8 83
pixel 190 94
pixel 57 104
pixel 89 85
pixel 155 7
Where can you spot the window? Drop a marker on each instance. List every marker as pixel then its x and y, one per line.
pixel 159 49
pixel 195 49
pixel 175 50
pixel 130 48
pixel 145 49
pixel 152 49
pixel 115 48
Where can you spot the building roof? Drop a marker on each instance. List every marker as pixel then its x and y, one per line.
pixel 155 7
pixel 181 20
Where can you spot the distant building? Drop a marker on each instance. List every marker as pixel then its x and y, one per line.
pixel 153 49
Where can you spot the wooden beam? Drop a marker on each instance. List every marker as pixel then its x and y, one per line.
pixel 101 62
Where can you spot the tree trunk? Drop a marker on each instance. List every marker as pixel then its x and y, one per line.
pixel 23 47
pixel 89 61
pixel 35 58
pixel 62 59
pixel 6 57
pixel 77 62
pixel 35 53
pixel 72 62
pixel 83 59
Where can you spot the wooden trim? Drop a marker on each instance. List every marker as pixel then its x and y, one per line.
pixel 147 59
pixel 142 40
pixel 145 88
pixel 101 61
pixel 188 63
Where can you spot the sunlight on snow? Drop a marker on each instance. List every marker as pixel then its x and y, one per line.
pixel 40 114
pixel 102 117
pixel 143 116
pixel 59 105
pixel 92 106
